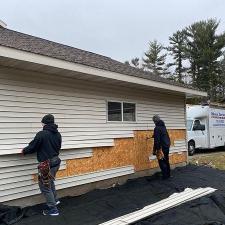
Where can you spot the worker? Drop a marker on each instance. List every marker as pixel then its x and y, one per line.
pixel 47 144
pixel 161 146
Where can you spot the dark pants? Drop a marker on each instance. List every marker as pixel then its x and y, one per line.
pixel 164 164
pixel 50 192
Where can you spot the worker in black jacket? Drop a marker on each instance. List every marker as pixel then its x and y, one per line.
pixel 161 146
pixel 47 144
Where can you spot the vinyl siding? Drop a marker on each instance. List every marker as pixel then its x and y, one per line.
pixel 19 189
pixel 79 108
pixel 80 111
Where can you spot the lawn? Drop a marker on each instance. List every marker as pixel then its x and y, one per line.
pixel 212 159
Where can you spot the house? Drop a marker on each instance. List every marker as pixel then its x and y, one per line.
pixel 103 107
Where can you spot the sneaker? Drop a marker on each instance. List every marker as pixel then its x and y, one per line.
pixel 50 212
pixel 58 202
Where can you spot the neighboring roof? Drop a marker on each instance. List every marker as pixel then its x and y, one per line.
pixel 28 43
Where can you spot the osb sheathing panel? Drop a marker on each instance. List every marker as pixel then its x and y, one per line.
pixel 126 151
pixel 176 158
pixel 153 164
pixel 176 135
pixel 104 158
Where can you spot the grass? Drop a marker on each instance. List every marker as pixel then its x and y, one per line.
pixel 213 159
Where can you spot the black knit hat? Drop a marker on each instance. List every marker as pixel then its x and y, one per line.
pixel 156 118
pixel 48 119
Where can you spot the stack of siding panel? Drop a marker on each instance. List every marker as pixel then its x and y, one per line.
pixel 172 201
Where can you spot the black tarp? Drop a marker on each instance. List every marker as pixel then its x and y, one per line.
pixel 10 214
pixel 102 205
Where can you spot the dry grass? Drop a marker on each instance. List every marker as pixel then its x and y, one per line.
pixel 213 159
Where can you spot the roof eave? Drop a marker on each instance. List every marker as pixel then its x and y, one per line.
pixel 12 53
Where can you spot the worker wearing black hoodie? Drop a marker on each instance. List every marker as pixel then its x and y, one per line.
pixel 161 143
pixel 47 144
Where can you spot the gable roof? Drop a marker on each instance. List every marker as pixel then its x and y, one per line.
pixel 28 43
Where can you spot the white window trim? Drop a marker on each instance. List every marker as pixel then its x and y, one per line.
pixel 121 102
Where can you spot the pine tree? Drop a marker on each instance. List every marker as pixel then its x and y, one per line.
pixel 177 50
pixel 127 63
pixel 154 60
pixel 135 62
pixel 204 48
pixel 221 83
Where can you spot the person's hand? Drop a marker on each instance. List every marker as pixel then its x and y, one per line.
pixel 159 154
pixel 22 152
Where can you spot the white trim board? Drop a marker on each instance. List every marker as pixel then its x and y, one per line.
pixel 62 64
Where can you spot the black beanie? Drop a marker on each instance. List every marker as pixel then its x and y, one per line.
pixel 47 119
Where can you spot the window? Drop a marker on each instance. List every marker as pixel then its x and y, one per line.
pixel 114 111
pixel 128 111
pixel 198 126
pixel 189 124
pixel 197 123
pixel 121 111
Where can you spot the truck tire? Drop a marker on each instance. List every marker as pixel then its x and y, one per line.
pixel 191 148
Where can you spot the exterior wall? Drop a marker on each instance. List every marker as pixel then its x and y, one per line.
pixel 135 151
pixel 93 149
pixel 130 151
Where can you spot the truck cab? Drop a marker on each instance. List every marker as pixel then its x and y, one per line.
pixel 196 134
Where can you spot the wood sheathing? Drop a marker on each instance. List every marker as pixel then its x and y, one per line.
pixel 126 151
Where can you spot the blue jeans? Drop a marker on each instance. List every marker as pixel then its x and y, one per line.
pixel 50 192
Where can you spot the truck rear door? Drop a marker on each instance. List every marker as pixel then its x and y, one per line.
pixel 216 127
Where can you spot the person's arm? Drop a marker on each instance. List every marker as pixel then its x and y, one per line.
pixel 157 142
pixel 60 141
pixel 33 145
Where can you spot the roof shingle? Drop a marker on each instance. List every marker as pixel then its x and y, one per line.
pixel 24 42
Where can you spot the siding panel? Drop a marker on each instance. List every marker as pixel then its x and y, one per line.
pixel 80 111
pixel 32 189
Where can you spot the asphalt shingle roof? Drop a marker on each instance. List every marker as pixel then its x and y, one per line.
pixel 28 43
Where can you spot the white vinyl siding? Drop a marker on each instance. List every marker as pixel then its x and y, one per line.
pixel 18 188
pixel 80 111
pixel 79 108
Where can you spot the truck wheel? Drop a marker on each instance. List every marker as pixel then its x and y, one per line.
pixel 191 148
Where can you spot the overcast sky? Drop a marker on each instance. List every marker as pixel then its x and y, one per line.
pixel 120 29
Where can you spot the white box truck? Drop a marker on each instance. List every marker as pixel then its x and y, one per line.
pixel 205 127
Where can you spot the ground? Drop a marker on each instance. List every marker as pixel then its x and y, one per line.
pixel 213 158
pixel 99 206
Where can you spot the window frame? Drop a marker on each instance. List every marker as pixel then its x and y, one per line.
pixel 121 102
